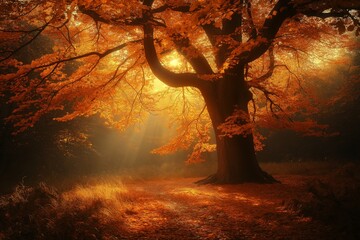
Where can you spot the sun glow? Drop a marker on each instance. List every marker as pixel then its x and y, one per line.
pixel 328 53
pixel 175 62
pixel 325 56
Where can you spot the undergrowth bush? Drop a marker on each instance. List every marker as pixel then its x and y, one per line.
pixel 41 213
pixel 334 201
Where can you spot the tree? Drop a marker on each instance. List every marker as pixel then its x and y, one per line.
pixel 243 57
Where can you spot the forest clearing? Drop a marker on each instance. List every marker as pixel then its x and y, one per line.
pixel 110 111
pixel 307 204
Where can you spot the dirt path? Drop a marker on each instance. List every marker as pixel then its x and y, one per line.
pixel 112 208
pixel 179 209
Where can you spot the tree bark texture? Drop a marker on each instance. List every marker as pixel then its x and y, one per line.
pixel 237 161
pixel 236 155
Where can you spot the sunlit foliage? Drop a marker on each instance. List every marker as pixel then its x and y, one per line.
pixel 104 55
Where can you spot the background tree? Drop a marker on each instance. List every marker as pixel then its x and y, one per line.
pixel 246 59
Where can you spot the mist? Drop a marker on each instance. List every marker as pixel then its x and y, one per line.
pixel 54 151
pixel 85 147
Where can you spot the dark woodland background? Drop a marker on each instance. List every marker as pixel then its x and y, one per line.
pixel 85 146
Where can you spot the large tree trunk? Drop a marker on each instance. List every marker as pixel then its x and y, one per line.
pixel 237 161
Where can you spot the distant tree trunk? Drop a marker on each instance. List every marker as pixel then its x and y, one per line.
pixel 237 161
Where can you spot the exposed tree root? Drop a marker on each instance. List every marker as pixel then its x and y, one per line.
pixel 212 179
pixel 268 178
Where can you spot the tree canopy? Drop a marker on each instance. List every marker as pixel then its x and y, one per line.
pixel 107 57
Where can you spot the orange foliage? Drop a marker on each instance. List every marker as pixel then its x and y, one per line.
pixel 98 66
pixel 306 205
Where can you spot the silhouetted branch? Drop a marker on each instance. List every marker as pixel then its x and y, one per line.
pixel 253 32
pixel 270 71
pixel 192 54
pixel 38 32
pixel 170 78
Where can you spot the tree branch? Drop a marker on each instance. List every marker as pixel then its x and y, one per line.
pixel 170 78
pixel 258 45
pixel 94 15
pixel 85 55
pixel 219 37
pixel 192 54
pixel 253 29
pixel 183 8
pixel 270 71
pixel 32 39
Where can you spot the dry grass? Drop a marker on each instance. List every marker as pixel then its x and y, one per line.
pixel 307 205
pixel 86 212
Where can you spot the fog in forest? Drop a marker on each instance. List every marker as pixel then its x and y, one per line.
pixel 86 146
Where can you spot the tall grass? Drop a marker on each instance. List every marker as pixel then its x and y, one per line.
pixel 86 212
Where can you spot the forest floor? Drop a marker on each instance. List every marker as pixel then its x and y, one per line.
pixel 310 205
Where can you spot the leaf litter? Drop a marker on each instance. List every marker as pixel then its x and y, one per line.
pixel 301 207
